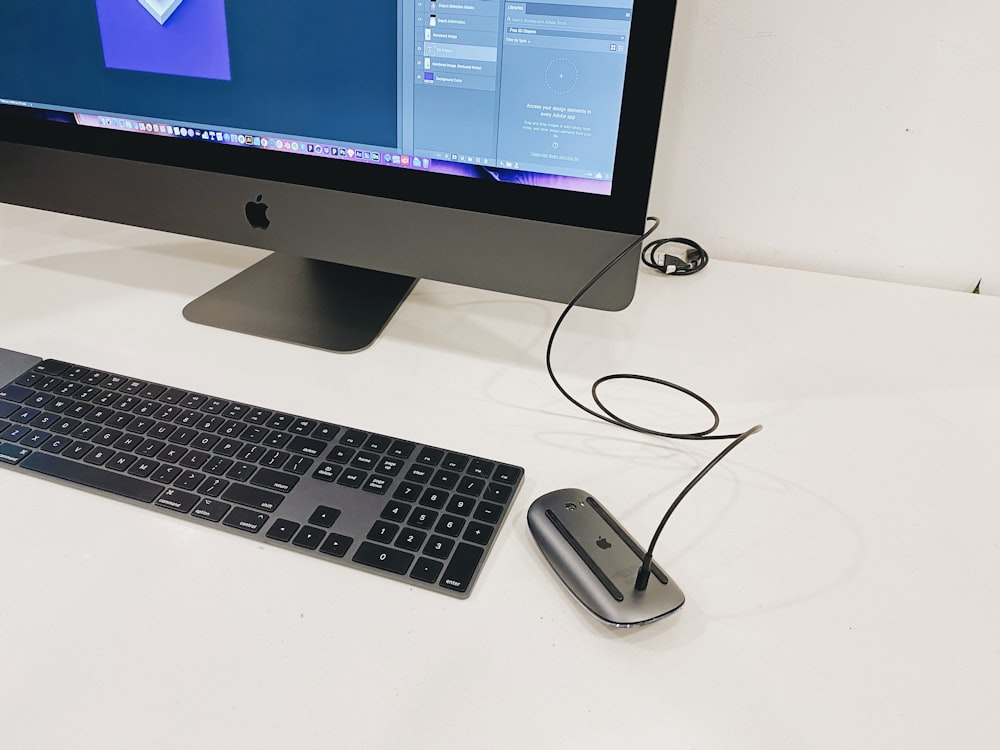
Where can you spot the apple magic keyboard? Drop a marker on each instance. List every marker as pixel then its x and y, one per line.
pixel 424 515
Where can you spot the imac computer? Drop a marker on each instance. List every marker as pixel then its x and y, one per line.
pixel 497 144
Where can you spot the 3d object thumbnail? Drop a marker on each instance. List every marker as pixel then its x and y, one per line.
pixel 161 10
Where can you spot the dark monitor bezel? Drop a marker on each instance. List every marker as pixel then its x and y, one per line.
pixel 622 211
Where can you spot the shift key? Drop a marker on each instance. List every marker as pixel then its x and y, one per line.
pixel 252 497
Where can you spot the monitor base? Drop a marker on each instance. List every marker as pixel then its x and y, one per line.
pixel 304 301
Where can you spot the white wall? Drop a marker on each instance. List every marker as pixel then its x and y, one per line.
pixel 859 137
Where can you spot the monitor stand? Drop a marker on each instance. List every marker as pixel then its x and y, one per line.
pixel 304 301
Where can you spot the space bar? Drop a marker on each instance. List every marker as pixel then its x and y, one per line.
pixel 91 476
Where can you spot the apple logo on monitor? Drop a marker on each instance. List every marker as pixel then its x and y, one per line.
pixel 257 213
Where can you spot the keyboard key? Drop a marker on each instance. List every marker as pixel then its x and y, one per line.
pixel 460 571
pixel 439 547
pixel 377 485
pixel 24 415
pixel 277 439
pixel 240 471
pixel 481 468
pixel 427 570
pixel 29 379
pixel 461 505
pixel 14 432
pixel 121 462
pixel 411 539
pixel 193 400
pixel 471 486
pixel 52 367
pixel 189 480
pixel 336 545
pixel 274 459
pixel 38 400
pixel 98 455
pixel 383 558
pixel 211 510
pixel 274 480
pixel 407 491
pixel 165 474
pixel 282 530
pixel 57 444
pixel 257 416
pixel 77 450
pixel 352 478
pixel 325 431
pixel 401 449
pixel 455 462
pixel 280 421
pixel 324 516
pixel 430 456
pixel 488 512
pixel 395 511
pixel 34 439
pixel 364 460
pixel 309 537
pixel 419 473
pixel 340 454
pixel 478 533
pixel 93 477
pixel 107 437
pixel 445 479
pixel 498 493
pixel 383 532
pixel 12 454
pixel 507 474
pixel 354 438
pixel 306 446
pixel 127 443
pixel 378 443
pixel 235 411
pixel 299 465
pixel 422 519
pixel 326 472
pixel 390 466
pixel 303 426
pixel 252 497
pixel 173 396
pixel 16 394
pixel 45 420
pixel 245 519
pixel 177 500
pixel 212 487
pixel 143 467
pixel 217 465
pixel 150 448
pixel 434 498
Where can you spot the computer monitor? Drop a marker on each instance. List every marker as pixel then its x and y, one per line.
pixel 490 143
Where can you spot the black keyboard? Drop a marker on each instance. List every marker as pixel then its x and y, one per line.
pixel 423 515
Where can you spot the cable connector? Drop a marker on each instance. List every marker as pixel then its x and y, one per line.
pixel 695 257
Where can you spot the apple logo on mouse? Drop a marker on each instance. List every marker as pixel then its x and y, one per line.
pixel 603 543
pixel 257 213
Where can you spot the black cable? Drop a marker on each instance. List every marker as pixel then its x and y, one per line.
pixel 695 260
pixel 607 415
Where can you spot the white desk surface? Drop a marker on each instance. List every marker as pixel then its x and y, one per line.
pixel 842 568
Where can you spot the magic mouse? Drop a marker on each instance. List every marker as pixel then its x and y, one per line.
pixel 598 560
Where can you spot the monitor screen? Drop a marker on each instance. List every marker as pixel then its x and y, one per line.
pixel 499 141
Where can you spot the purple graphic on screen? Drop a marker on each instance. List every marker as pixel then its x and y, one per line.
pixel 193 40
